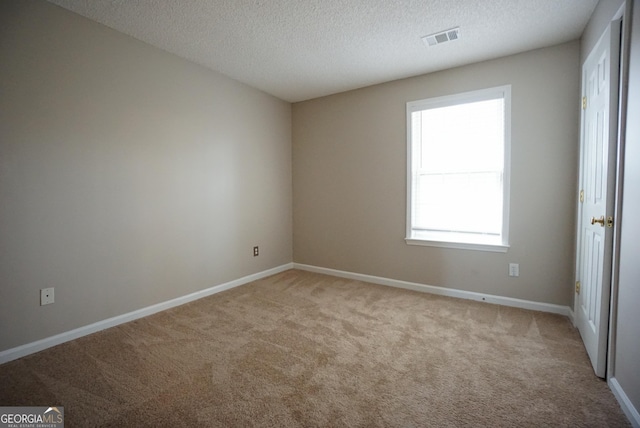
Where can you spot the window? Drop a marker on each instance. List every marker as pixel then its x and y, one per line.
pixel 458 170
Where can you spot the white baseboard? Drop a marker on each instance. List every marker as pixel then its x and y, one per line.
pixel 450 292
pixel 33 347
pixel 626 404
pixel 572 316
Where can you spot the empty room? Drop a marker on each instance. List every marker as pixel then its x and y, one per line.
pixel 330 213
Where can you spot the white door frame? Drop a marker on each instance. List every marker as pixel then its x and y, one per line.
pixel 623 13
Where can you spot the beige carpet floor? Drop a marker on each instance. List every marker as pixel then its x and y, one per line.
pixel 306 350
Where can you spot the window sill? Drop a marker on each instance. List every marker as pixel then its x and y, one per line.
pixel 485 245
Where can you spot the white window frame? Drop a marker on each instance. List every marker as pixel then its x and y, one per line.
pixel 461 240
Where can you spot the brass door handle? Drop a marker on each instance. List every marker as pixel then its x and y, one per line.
pixel 600 220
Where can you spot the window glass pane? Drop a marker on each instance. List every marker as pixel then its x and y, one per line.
pixel 463 137
pixel 468 202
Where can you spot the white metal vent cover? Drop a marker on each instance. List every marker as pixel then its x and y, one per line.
pixel 442 37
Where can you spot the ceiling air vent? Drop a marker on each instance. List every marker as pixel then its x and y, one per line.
pixel 442 37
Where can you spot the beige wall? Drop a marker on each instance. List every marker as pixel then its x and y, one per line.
pixel 128 176
pixel 627 350
pixel 349 175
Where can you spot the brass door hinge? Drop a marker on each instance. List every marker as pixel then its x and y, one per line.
pixel 584 103
pixel 577 287
pixel 582 196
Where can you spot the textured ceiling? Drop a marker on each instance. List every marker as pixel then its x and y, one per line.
pixel 302 49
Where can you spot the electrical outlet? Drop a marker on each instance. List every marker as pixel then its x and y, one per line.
pixel 256 251
pixel 514 269
pixel 46 296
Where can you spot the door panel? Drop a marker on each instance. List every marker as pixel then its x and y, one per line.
pixel 597 180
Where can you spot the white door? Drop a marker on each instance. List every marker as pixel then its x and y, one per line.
pixel 597 191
